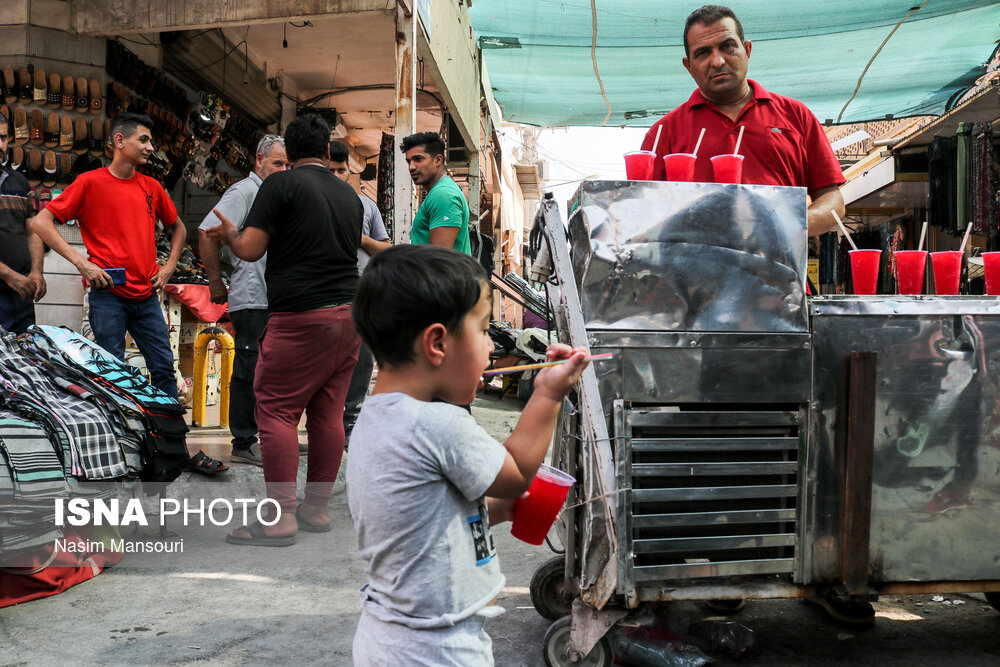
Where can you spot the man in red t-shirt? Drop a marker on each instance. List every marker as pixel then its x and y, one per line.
pixel 117 209
pixel 783 143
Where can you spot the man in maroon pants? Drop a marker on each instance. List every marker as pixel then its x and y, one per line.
pixel 309 223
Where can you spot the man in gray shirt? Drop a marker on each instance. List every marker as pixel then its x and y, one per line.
pixel 373 239
pixel 247 295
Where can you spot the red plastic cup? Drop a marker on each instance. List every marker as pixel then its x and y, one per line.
pixel 910 265
pixel 991 265
pixel 536 510
pixel 728 168
pixel 680 166
pixel 947 268
pixel 864 270
pixel 639 165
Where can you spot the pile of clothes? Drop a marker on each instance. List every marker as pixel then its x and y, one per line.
pixel 70 413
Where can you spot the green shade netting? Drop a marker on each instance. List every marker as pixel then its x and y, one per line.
pixel 812 51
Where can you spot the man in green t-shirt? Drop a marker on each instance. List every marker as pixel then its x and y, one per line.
pixel 443 217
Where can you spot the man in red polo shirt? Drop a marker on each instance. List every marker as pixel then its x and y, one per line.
pixel 783 143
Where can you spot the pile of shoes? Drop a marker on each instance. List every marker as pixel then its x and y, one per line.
pixel 189 269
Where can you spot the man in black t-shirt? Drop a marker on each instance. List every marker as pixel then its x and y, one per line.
pixel 309 223
pixel 20 248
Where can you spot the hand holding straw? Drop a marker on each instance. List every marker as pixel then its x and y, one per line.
pixel 965 239
pixel 656 141
pixel 923 233
pixel 736 151
pixel 844 229
pixel 698 144
pixel 528 367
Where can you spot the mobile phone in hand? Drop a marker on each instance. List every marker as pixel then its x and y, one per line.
pixel 117 276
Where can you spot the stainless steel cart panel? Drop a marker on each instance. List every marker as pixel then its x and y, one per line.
pixel 937 436
pixel 690 256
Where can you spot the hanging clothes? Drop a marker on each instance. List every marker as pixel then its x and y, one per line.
pixel 941 158
pixel 982 191
pixel 385 183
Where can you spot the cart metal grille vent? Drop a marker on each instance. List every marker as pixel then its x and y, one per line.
pixel 714 493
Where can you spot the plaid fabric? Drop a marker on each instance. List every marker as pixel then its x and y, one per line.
pixel 35 469
pixel 92 439
pixel 138 425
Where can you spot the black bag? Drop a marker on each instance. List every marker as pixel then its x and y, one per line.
pixel 483 248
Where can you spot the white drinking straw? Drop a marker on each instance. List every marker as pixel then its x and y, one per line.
pixel 656 142
pixel 965 239
pixel 700 137
pixel 736 151
pixel 923 233
pixel 844 229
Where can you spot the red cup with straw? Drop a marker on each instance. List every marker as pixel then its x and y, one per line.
pixel 910 267
pixel 864 263
pixel 728 168
pixel 680 166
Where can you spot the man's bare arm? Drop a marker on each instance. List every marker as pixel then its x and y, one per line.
pixel 444 236
pixel 209 250
pixel 44 226
pixel 176 247
pixel 250 245
pixel 36 249
pixel 824 200
pixel 371 246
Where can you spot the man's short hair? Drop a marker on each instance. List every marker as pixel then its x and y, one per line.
pixel 406 289
pixel 306 136
pixel 431 141
pixel 710 15
pixel 126 124
pixel 5 123
pixel 339 152
pixel 267 142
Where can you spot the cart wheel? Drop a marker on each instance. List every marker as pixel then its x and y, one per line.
pixel 556 648
pixel 548 590
pixel 992 598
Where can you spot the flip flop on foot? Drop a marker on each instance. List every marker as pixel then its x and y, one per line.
pixel 258 538
pixel 205 465
pixel 310 527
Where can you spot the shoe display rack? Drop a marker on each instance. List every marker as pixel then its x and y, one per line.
pixel 193 139
pixel 56 121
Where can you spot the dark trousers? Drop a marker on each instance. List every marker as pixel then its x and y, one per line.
pixel 305 365
pixel 358 388
pixel 248 324
pixel 111 316
pixel 16 314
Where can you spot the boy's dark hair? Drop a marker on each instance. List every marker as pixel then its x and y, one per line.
pixel 306 136
pixel 339 152
pixel 431 141
pixel 127 123
pixel 406 289
pixel 710 15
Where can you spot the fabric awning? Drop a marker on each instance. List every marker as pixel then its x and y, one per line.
pixel 538 54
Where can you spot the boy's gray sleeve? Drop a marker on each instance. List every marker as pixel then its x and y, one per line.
pixel 467 455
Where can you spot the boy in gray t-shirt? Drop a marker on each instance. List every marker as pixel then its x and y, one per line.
pixel 427 481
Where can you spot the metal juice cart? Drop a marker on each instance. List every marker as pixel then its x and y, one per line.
pixel 744 442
